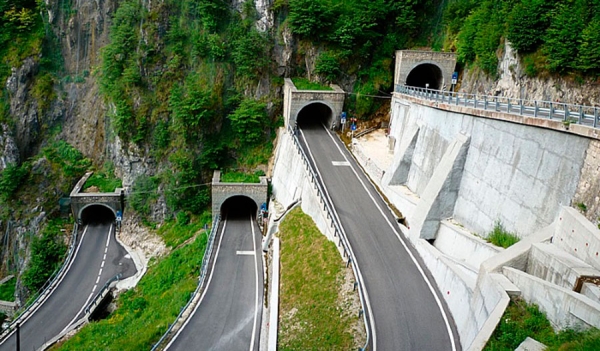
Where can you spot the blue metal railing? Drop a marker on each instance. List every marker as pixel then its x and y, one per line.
pixel 553 110
pixel 337 233
pixel 203 271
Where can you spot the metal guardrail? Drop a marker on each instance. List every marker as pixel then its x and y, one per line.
pixel 23 311
pixel 101 295
pixel 203 271
pixel 553 110
pixel 337 233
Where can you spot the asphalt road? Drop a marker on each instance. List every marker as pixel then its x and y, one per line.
pixel 97 258
pixel 404 307
pixel 228 315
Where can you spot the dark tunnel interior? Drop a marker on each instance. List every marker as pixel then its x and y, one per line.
pixel 314 115
pixel 425 74
pixel 238 207
pixel 97 214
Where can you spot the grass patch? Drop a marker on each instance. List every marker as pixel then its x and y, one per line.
pixel 310 317
pixel 7 290
pixel 241 177
pixel 521 320
pixel 175 232
pixel 144 313
pixel 305 84
pixel 104 180
pixel 499 236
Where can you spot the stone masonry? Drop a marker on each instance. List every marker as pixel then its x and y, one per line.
pixel 407 60
pixel 295 100
pixel 223 191
pixel 80 201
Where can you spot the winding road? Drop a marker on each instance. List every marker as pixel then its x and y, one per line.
pixel 228 315
pixel 97 258
pixel 403 305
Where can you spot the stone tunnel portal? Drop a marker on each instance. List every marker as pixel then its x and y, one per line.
pixel 239 207
pixel 97 213
pixel 424 74
pixel 315 114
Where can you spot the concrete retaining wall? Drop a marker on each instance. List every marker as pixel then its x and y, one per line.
pixel 563 307
pixel 514 173
pixel 291 182
pixel 577 236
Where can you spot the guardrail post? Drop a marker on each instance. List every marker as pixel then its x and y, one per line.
pixel 580 114
pixel 475 100
pixel 521 107
pixel 348 263
pixel 485 102
pixel 566 117
pixel 595 117
pixel 508 106
pixel 497 104
pixel 551 110
pixel 535 108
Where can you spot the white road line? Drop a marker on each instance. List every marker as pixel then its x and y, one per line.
pixel 203 293
pixel 97 279
pixel 366 293
pixel 245 253
pixel 102 265
pixel 340 163
pixel 257 288
pixel 437 299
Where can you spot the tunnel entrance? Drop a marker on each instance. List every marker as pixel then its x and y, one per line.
pixel 97 214
pixel 424 74
pixel 238 207
pixel 315 114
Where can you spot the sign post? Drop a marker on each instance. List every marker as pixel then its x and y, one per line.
pixel 343 120
pixel 454 79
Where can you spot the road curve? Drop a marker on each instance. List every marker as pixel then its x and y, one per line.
pixel 405 309
pixel 228 315
pixel 98 257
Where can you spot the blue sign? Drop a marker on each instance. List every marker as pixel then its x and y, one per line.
pixel 119 216
pixel 353 127
pixel 455 75
pixel 263 207
pixel 343 115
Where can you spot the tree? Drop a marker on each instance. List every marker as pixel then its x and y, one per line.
pixel 527 23
pixel 564 35
pixel 589 51
pixel 249 121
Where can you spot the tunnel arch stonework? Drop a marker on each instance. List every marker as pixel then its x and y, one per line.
pixel 295 100
pixel 409 60
pixel 80 201
pixel 221 192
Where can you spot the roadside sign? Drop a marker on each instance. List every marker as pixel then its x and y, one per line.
pixel 343 120
pixel 353 127
pixel 119 216
pixel 454 77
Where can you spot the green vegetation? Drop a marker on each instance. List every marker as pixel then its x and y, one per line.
pixel 311 316
pixel 305 84
pixel 564 35
pixel 47 254
pixel 500 237
pixel 144 313
pixel 174 233
pixel 581 206
pixel 241 177
pixel 521 320
pixel 7 290
pixel 104 179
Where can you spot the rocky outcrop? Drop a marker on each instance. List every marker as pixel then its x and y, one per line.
pixel 9 153
pixel 513 82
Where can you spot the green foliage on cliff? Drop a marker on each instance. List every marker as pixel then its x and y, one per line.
pixel 565 33
pixel 47 252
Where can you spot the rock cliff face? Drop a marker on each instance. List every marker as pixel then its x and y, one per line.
pixel 9 153
pixel 513 82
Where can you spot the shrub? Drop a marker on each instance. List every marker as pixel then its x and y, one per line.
pixel 11 179
pixel 249 121
pixel 500 237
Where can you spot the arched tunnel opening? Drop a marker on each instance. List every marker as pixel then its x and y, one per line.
pixel 238 207
pixel 314 115
pixel 426 75
pixel 97 214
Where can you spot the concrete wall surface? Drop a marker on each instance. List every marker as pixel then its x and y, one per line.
pixel 578 236
pixel 548 262
pixel 563 307
pixel 454 241
pixel 291 181
pixel 518 174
